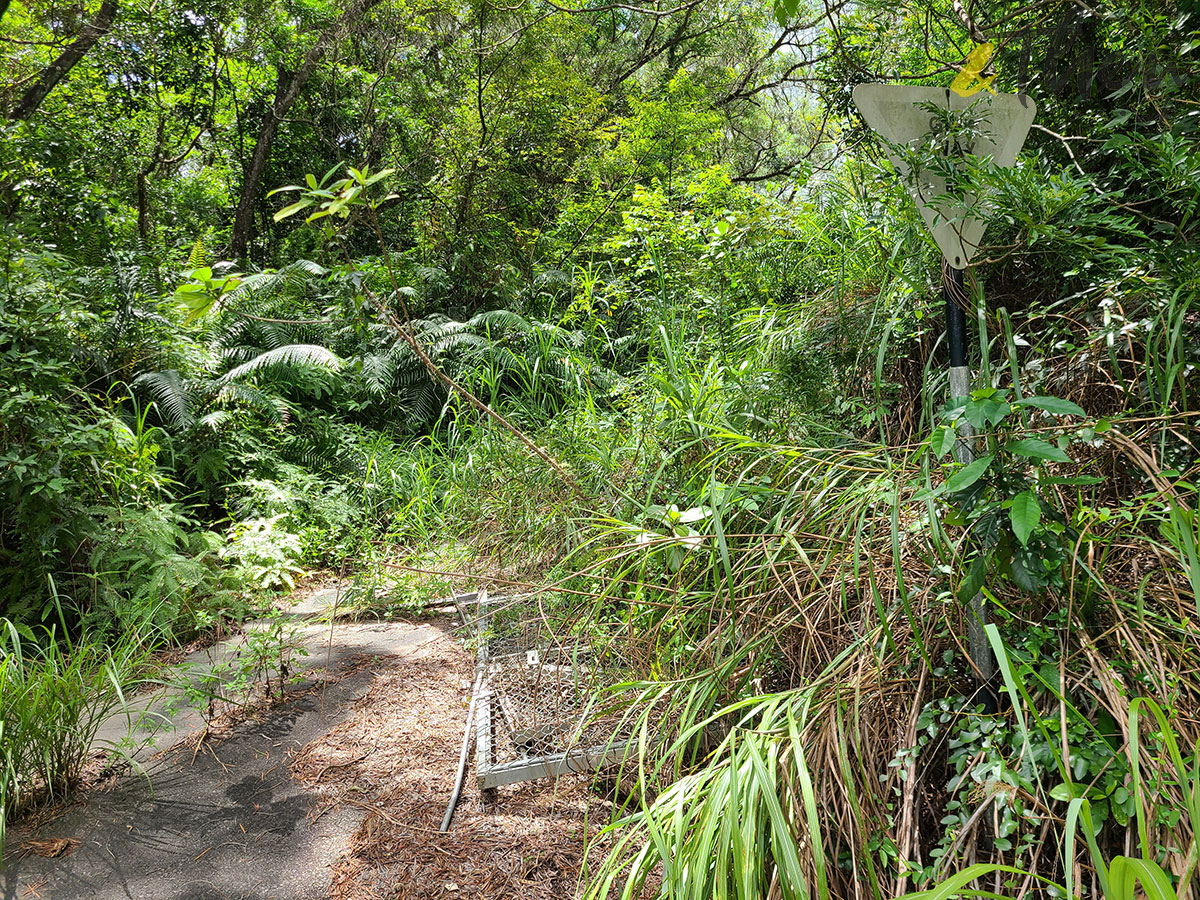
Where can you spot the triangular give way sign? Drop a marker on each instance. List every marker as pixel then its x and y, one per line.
pixel 907 116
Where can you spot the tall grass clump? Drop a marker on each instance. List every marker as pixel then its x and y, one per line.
pixel 55 693
pixel 812 726
pixel 794 598
pixel 773 622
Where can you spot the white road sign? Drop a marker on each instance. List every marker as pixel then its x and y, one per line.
pixel 902 114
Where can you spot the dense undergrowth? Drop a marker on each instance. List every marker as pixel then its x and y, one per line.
pixel 712 417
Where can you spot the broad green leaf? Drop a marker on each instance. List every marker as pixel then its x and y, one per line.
pixel 985 393
pixel 292 209
pixel 944 439
pixel 1054 405
pixel 1064 791
pixel 986 411
pixel 197 305
pixel 378 176
pixel 995 412
pixel 1027 570
pixel 954 409
pixel 1075 480
pixel 1033 448
pixel 974 579
pixel 956 885
pixel 968 475
pixel 329 174
pixel 1126 872
pixel 1025 513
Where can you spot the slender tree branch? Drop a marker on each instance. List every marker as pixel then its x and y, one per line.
pixel 288 87
pixel 406 333
pixel 66 61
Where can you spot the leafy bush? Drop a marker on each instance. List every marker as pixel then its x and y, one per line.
pixel 256 667
pixel 264 553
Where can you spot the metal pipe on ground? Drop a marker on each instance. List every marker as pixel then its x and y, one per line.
pixel 462 756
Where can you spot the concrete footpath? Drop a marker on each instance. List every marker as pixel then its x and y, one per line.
pixel 229 824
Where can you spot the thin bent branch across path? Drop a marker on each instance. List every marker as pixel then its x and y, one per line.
pixel 409 338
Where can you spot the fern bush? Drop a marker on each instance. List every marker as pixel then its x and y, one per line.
pixel 87 501
pixel 264 553
pixel 320 512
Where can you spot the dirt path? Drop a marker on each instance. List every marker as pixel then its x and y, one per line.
pixel 336 792
pixel 395 757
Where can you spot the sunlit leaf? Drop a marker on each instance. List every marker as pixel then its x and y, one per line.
pixel 1025 513
pixel 1032 448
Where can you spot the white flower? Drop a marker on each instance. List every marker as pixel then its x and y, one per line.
pixel 1107 302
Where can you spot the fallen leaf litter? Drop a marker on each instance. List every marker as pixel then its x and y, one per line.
pixel 395 758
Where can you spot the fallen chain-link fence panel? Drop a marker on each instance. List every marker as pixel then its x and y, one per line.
pixel 535 711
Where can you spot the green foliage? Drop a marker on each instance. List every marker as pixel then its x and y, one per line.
pixel 87 501
pixel 264 553
pixel 55 693
pixel 331 197
pixel 1088 804
pixel 256 668
pixel 660 244
pixel 1002 496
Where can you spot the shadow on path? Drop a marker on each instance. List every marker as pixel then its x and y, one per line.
pixel 230 825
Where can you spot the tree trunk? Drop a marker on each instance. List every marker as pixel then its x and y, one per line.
pixel 287 89
pixel 57 70
pixel 143 208
pixel 243 220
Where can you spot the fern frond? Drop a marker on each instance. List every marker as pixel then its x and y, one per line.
pixel 378 372
pixel 171 395
pixel 271 406
pixel 199 255
pixel 559 277
pixel 286 357
pixel 215 419
pixel 498 319
pixel 433 275
pixel 275 281
pixel 424 405
pixel 455 341
pixel 503 359
pixel 407 376
pixel 553 334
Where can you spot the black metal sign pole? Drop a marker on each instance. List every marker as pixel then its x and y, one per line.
pixel 954 293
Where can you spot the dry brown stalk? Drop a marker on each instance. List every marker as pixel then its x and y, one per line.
pixel 405 331
pixel 907 832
